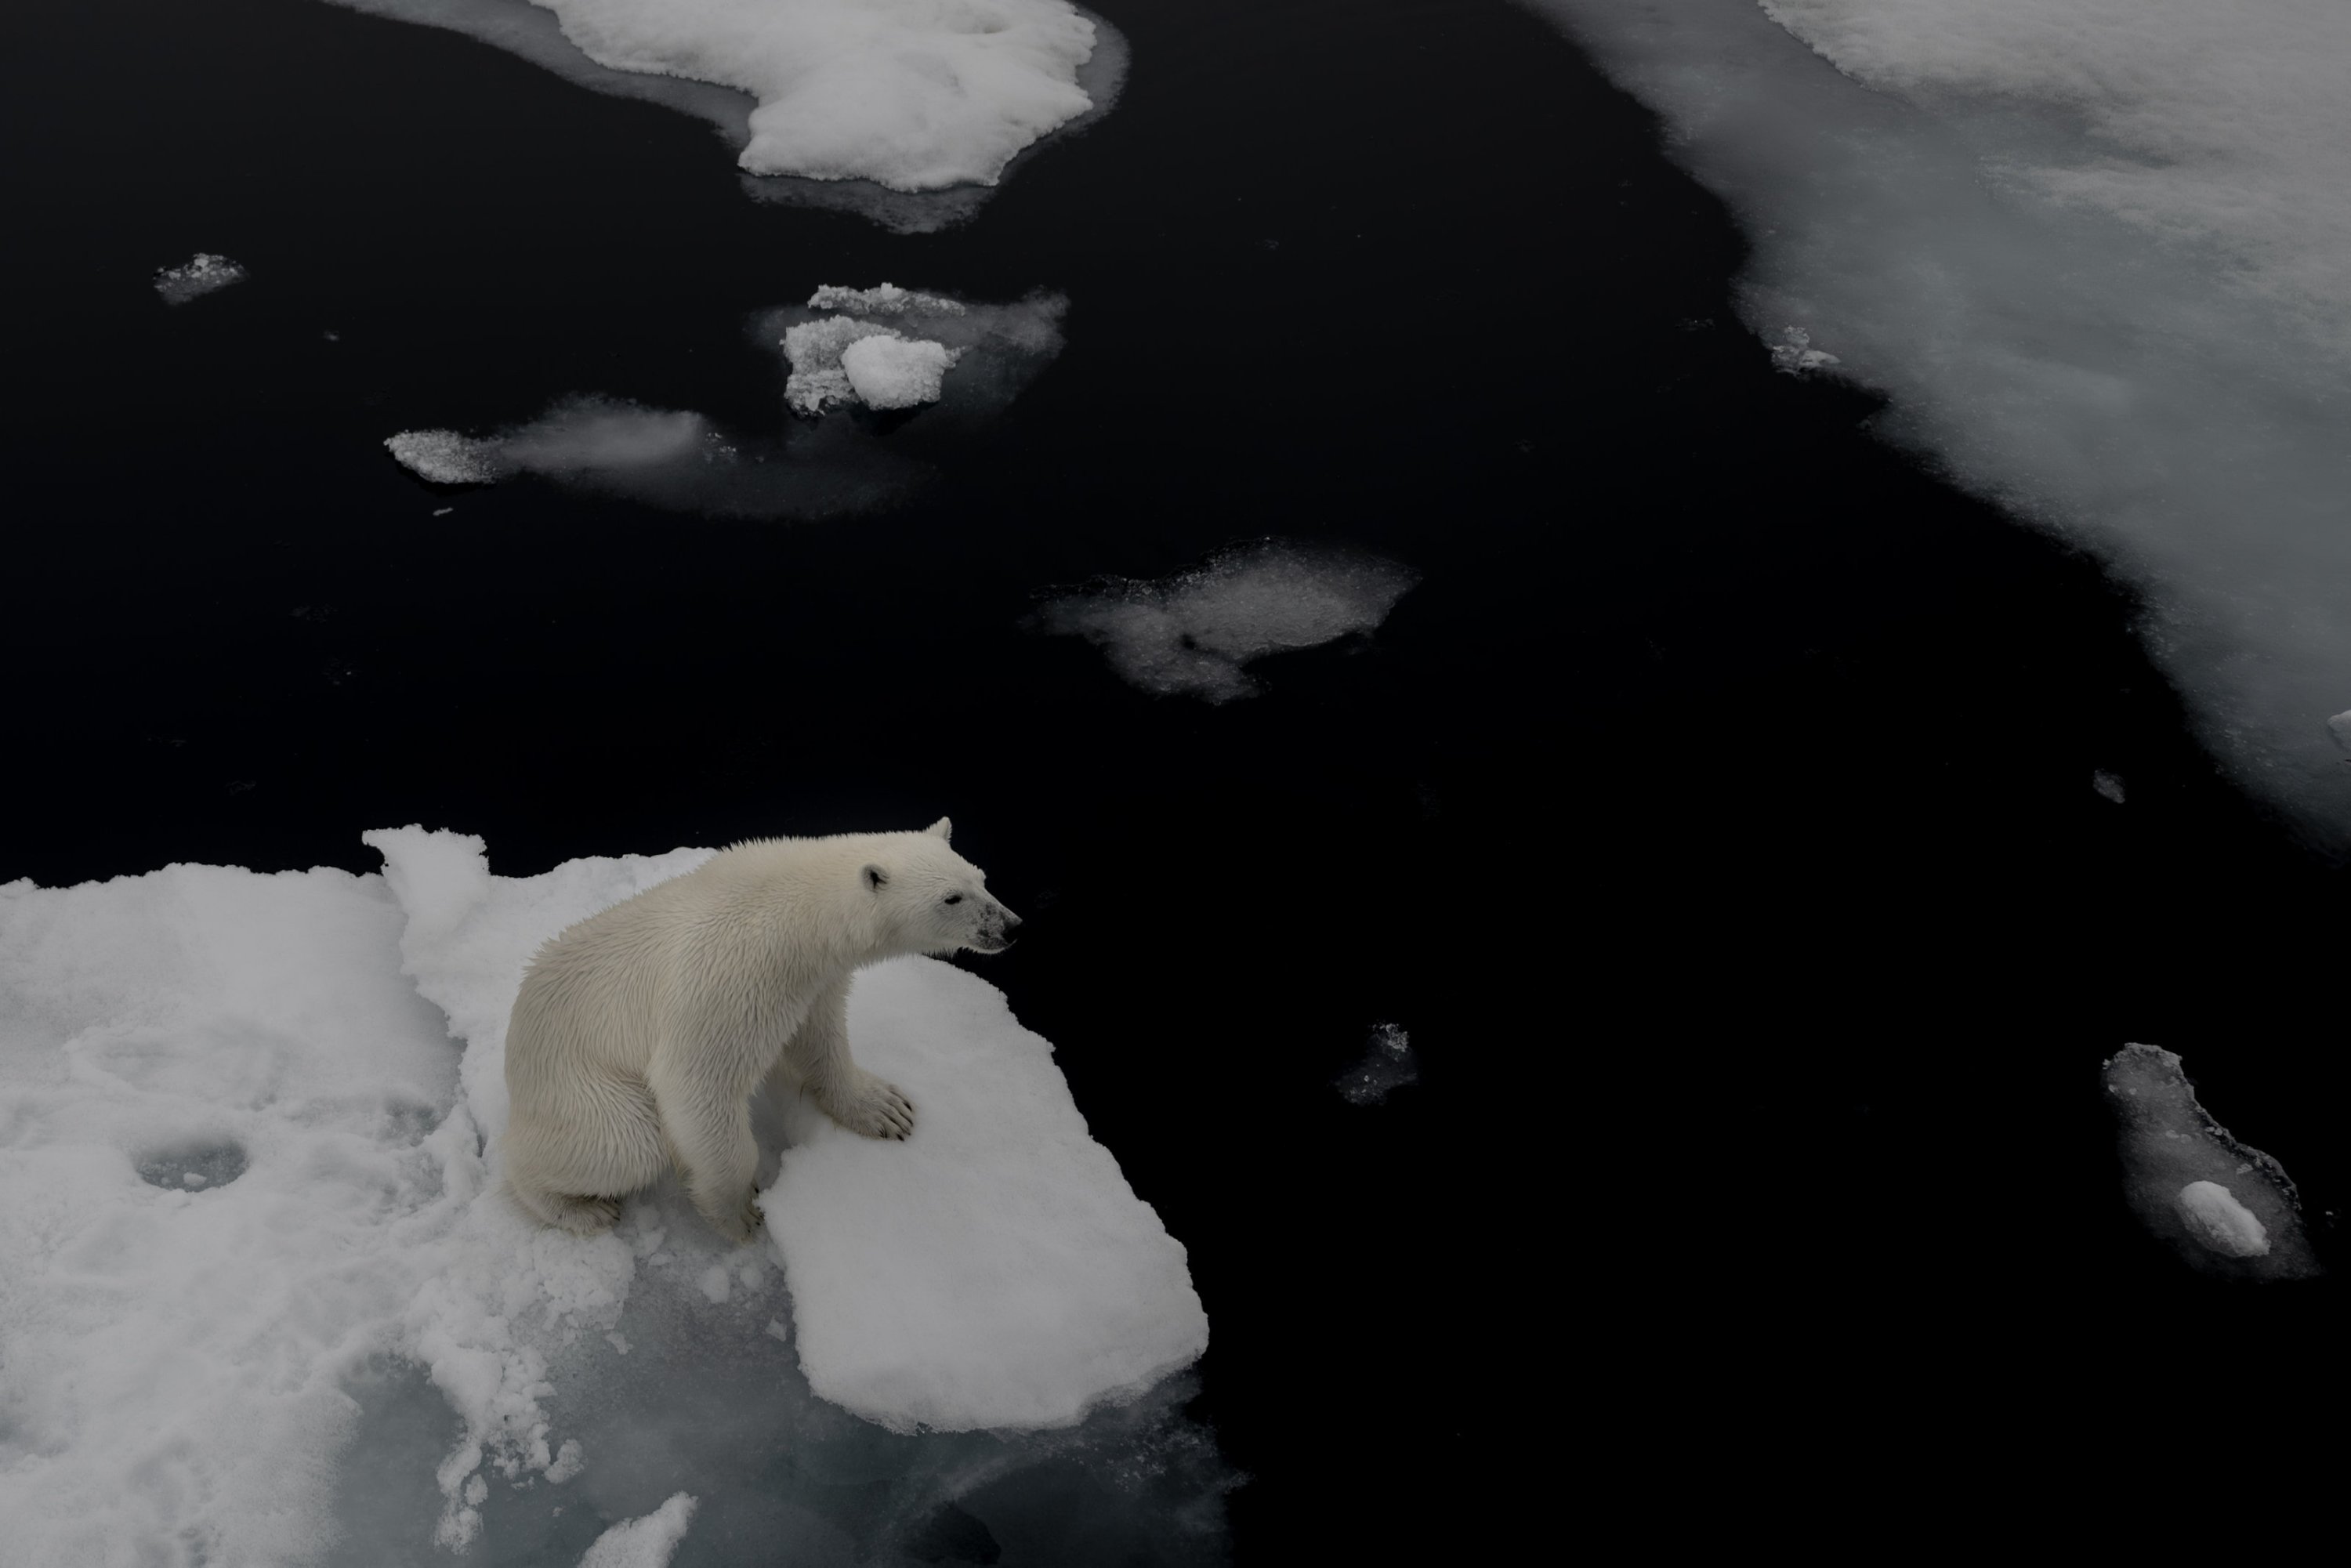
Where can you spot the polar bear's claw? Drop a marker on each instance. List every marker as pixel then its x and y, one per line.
pixel 584 1216
pixel 873 1108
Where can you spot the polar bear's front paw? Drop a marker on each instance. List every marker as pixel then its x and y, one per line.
pixel 744 1224
pixel 872 1107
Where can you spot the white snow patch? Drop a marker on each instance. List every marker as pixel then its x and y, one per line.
pixel 896 373
pixel 2219 1221
pixel 172 1358
pixel 1193 634
pixel 646 1543
pixel 193 279
pixel 2098 254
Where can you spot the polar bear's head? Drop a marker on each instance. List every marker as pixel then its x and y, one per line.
pixel 931 900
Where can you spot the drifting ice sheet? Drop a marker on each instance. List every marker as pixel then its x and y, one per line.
pixel 992 1270
pixel 193 279
pixel 1195 633
pixel 2224 1208
pixel 244 1169
pixel 2099 253
pixel 911 94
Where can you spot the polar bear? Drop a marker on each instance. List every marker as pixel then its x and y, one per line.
pixel 641 1033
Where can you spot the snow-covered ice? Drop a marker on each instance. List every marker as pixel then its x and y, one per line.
pixel 2217 1221
pixel 251 1165
pixel 2225 1208
pixel 2098 254
pixel 918 339
pixel 645 1542
pixel 1195 633
pixel 193 279
pixel 1387 1066
pixel 896 373
pixel 913 95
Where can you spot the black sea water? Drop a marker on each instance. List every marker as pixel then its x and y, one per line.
pixel 1716 815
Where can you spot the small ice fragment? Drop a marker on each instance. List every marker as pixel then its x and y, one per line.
pixel 444 456
pixel 1793 354
pixel 2340 727
pixel 443 511
pixel 646 1543
pixel 893 372
pixel 715 1283
pixel 2216 1220
pixel 1387 1066
pixel 815 349
pixel 195 278
pixel 618 1341
pixel 569 1461
pixel 191 1178
pixel 2107 784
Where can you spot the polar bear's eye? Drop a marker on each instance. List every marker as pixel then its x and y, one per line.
pixel 954 898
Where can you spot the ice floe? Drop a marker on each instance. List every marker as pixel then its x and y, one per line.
pixel 1195 634
pixel 877 106
pixel 248 1127
pixel 193 279
pixel 2099 255
pixel 2224 1208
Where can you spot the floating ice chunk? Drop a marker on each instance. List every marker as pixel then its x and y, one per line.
pixel 819 379
pixel 999 1272
pixel 1793 354
pixel 1193 634
pixel 993 1271
pixel 896 373
pixel 911 94
pixel 2226 1208
pixel 2340 728
pixel 2217 1220
pixel 1006 344
pixel 445 457
pixel 2107 784
pixel 193 279
pixel 1387 1066
pixel 645 1542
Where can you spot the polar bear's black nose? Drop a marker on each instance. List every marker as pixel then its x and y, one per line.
pixel 1011 923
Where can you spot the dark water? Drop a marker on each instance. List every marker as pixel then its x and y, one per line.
pixel 1716 815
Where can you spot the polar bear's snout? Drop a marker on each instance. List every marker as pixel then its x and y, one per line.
pixel 997 928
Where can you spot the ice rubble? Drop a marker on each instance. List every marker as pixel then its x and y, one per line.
pixel 2226 1208
pixel 1193 634
pixel 180 1350
pixel 193 279
pixel 2099 253
pixel 916 340
pixel 913 95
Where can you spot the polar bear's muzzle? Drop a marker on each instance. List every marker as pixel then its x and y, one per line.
pixel 995 931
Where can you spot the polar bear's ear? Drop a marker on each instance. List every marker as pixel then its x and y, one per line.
pixel 941 829
pixel 875 878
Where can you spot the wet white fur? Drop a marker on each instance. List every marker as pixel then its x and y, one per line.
pixel 641 1033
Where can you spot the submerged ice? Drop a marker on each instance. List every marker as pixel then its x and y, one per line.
pixel 1195 633
pixel 2098 253
pixel 1387 1066
pixel 2225 1208
pixel 252 1176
